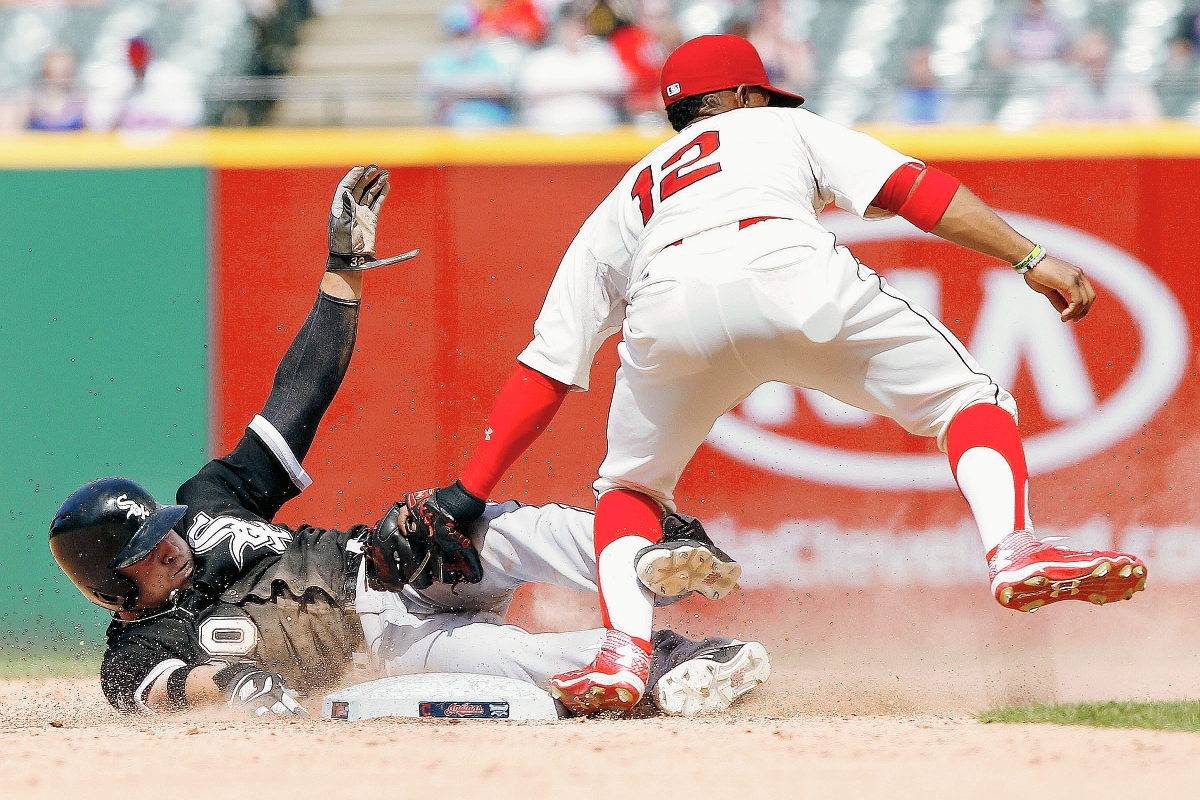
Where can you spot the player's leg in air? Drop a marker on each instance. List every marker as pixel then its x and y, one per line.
pixel 1026 573
pixel 895 359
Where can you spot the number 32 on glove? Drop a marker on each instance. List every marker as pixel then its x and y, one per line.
pixel 353 218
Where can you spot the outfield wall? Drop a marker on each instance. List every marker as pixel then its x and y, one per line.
pixel 113 255
pixel 103 344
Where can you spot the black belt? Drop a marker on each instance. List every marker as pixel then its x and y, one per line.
pixel 350 584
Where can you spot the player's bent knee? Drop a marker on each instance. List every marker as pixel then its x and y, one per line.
pixel 937 424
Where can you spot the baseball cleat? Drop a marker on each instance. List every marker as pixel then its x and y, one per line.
pixel 614 681
pixel 685 561
pixel 690 677
pixel 1028 573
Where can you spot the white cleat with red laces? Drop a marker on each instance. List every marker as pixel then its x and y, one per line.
pixel 614 681
pixel 1027 573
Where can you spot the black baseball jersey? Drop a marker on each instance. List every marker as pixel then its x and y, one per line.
pixel 259 591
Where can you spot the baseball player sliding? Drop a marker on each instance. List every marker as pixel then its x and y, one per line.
pixel 710 258
pixel 213 602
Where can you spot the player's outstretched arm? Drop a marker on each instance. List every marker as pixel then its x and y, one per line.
pixel 313 367
pixel 524 407
pixel 241 685
pixel 970 222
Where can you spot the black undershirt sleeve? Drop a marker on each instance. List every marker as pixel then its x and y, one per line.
pixel 311 371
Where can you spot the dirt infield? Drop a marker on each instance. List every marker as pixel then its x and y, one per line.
pixel 872 696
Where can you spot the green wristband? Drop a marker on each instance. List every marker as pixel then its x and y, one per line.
pixel 1030 261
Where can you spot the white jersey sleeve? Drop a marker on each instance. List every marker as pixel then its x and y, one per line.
pixel 850 167
pixel 586 302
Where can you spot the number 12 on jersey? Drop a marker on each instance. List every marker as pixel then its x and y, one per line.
pixel 676 178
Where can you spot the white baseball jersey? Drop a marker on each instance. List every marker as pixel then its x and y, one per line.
pixel 752 162
pixel 710 310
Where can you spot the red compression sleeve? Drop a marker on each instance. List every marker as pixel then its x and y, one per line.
pixel 619 513
pixel 893 194
pixel 922 206
pixel 929 201
pixel 526 404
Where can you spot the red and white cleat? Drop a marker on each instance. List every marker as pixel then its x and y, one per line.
pixel 614 681
pixel 1028 573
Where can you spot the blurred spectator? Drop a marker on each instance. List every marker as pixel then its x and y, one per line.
pixel 1091 93
pixel 276 26
pixel 1180 53
pixel 149 95
pixel 520 20
pixel 657 17
pixel 640 52
pixel 56 104
pixel 1030 47
pixel 1182 49
pixel 1177 83
pixel 1034 35
pixel 791 63
pixel 1189 28
pixel 921 101
pixel 468 80
pixel 574 85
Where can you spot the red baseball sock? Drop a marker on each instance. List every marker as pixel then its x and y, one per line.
pixel 988 462
pixel 626 521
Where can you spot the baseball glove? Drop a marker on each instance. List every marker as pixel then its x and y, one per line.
pixel 418 544
pixel 431 521
pixel 353 218
pixel 395 555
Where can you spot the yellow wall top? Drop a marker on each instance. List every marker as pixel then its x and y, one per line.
pixel 308 147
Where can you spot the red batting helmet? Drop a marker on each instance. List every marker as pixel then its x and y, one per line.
pixel 711 63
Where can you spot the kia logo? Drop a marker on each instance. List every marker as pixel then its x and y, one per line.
pixel 1002 338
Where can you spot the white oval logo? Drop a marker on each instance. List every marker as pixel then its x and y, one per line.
pixel 1154 377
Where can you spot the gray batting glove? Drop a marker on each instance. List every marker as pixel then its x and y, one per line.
pixel 353 218
pixel 257 692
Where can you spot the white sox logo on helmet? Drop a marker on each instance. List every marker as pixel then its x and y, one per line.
pixel 207 534
pixel 132 508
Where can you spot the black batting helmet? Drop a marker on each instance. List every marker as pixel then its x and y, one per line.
pixel 105 525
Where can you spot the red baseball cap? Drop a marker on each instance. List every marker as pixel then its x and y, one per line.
pixel 711 63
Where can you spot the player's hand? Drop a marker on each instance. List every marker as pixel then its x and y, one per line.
pixel 1064 285
pixel 353 218
pixel 257 692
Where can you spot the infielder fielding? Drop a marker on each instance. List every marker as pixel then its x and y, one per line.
pixel 710 258
pixel 212 601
